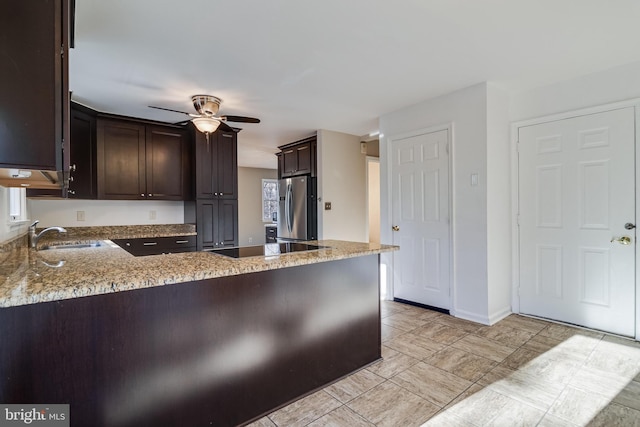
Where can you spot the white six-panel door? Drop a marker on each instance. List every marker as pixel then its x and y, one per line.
pixel 420 216
pixel 576 193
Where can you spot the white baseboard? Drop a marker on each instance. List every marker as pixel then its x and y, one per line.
pixel 466 315
pixel 499 315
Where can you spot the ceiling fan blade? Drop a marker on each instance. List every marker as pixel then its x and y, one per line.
pixel 182 123
pixel 240 119
pixel 225 126
pixel 169 109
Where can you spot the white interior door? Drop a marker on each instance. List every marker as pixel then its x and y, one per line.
pixel 420 200
pixel 576 193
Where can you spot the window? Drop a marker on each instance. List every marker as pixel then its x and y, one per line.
pixel 269 199
pixel 17 204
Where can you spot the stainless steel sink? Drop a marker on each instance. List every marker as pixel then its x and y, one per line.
pixel 91 244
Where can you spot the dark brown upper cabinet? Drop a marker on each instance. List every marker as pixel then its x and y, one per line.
pixel 141 162
pixel 216 165
pixel 297 158
pixel 82 172
pixel 34 90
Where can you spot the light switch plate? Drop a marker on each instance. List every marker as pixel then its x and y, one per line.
pixel 80 216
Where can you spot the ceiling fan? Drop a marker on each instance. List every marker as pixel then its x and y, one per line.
pixel 207 121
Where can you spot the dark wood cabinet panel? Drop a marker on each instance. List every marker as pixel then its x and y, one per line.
pixel 34 92
pixel 227 223
pixel 280 157
pixel 216 165
pixel 297 158
pixel 217 223
pixel 166 161
pixel 82 174
pixel 157 245
pixel 203 164
pixel 114 358
pixel 271 234
pixel 227 165
pixel 138 161
pixel 303 156
pixel 215 210
pixel 121 160
pixel 207 212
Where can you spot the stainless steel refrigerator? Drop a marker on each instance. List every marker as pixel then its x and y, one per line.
pixel 297 212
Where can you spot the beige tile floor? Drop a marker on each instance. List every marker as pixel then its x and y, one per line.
pixel 438 370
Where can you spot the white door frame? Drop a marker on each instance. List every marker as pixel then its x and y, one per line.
pixel 368 160
pixel 390 144
pixel 515 173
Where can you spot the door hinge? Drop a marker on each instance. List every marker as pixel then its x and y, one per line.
pixel 518 220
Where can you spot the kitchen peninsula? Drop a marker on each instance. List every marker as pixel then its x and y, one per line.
pixel 183 339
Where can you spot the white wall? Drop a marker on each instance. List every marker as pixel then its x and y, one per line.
pixel 613 85
pixel 8 231
pixel 250 225
pixel 341 181
pixel 466 111
pixel 499 253
pixel 104 212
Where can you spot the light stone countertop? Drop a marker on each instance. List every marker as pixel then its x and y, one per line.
pixel 28 276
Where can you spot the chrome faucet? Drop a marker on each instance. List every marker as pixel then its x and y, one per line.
pixel 33 237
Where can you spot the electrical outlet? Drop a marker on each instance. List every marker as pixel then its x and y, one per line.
pixel 327 206
pixel 152 214
pixel 250 239
pixel 80 216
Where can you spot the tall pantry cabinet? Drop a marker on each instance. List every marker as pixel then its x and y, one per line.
pixel 214 209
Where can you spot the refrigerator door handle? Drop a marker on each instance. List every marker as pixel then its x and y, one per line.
pixel 290 207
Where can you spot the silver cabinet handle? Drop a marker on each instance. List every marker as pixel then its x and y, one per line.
pixel 181 241
pixel 150 243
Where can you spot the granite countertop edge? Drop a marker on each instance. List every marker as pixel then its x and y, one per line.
pixel 31 277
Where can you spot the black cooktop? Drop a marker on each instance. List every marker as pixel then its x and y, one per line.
pixel 270 249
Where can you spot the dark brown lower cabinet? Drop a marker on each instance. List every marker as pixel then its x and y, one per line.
pixel 157 245
pixel 216 222
pixel 219 352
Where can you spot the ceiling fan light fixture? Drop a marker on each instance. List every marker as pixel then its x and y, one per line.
pixel 206 124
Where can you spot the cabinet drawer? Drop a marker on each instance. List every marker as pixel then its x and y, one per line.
pixel 157 245
pixel 272 231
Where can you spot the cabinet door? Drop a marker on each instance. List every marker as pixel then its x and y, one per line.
pixel 303 158
pixel 280 164
pixel 206 214
pixel 227 223
pixel 289 162
pixel 166 158
pixel 227 165
pixel 204 166
pixel 33 95
pixel 121 160
pixel 82 177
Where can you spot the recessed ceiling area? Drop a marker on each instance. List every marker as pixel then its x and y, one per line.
pixel 338 65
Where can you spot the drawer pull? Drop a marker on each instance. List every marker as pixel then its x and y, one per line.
pixel 182 241
pixel 150 243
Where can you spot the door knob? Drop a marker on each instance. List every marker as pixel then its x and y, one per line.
pixel 395 228
pixel 624 240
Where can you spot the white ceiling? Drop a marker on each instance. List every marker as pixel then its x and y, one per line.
pixel 302 65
